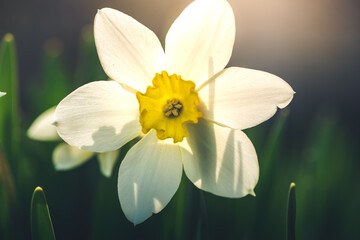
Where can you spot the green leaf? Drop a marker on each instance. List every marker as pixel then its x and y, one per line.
pixel 202 225
pixel 291 213
pixel 41 226
pixel 9 132
pixel 9 114
pixel 180 210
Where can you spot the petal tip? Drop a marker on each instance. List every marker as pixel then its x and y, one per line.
pixel 252 193
pixel 107 175
pixel 29 133
pixel 102 9
pixel 285 103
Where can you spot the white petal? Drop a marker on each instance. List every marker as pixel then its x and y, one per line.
pixel 220 160
pixel 42 128
pixel 107 161
pixel 200 41
pixel 2 94
pixel 149 176
pixel 242 98
pixel 67 157
pixel 99 117
pixel 129 52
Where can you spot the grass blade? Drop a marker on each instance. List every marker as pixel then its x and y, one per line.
pixel 291 213
pixel 9 136
pixel 9 118
pixel 41 226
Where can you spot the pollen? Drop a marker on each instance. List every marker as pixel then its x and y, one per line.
pixel 172 108
pixel 168 106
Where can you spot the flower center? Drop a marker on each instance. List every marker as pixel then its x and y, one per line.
pixel 168 105
pixel 172 108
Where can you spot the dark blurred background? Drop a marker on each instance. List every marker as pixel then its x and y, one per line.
pixel 311 44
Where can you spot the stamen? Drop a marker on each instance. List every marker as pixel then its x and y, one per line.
pixel 172 108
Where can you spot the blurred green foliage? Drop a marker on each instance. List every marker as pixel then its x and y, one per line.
pixel 323 162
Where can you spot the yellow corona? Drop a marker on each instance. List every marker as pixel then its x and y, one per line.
pixel 168 105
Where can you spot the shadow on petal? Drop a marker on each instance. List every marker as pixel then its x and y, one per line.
pixel 220 160
pixel 106 136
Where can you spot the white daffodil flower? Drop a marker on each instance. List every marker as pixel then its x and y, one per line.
pixel 189 107
pixel 2 94
pixel 66 157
